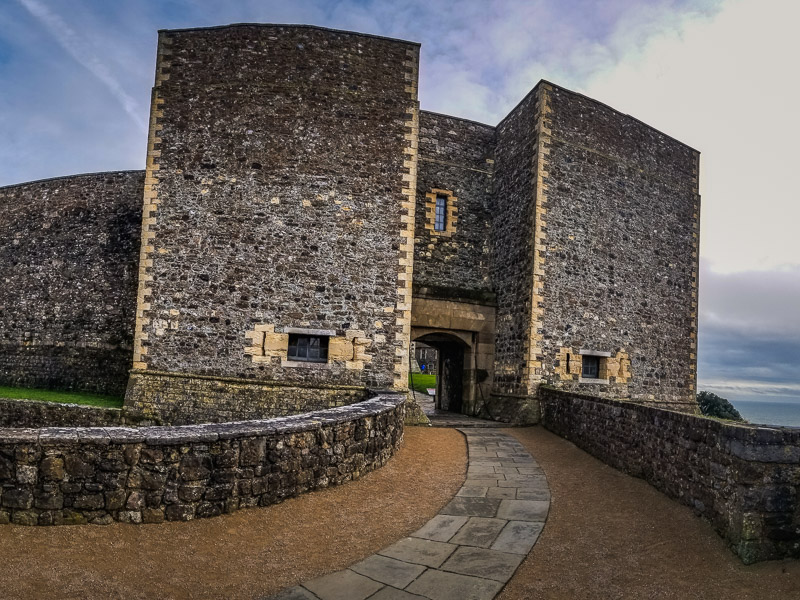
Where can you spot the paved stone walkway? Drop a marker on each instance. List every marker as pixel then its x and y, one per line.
pixel 466 552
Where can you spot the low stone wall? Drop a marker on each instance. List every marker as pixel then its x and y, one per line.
pixel 744 479
pixel 179 399
pixel 34 414
pixel 512 409
pixel 55 476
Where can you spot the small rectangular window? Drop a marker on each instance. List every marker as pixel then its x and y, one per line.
pixel 309 348
pixel 591 367
pixel 440 218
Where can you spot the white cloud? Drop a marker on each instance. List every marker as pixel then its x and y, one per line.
pixel 727 85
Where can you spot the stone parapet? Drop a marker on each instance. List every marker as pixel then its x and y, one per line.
pixel 56 476
pixel 742 478
pixel 183 399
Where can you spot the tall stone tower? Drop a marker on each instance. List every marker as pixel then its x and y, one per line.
pixel 277 242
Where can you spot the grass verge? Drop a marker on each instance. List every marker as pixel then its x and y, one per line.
pixel 63 397
pixel 421 382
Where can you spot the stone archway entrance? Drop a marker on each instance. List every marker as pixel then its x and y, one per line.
pixel 450 371
pixel 463 333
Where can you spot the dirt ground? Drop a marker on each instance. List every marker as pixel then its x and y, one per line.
pixel 249 554
pixel 611 536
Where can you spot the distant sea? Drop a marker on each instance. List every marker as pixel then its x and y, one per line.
pixel 769 413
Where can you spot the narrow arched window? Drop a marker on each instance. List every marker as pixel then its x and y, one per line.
pixel 440 218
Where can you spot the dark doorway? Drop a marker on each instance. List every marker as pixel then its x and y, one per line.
pixel 450 370
pixel 450 384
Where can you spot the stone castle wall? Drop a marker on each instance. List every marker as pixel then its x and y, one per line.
pixel 280 196
pixel 513 231
pixel 456 158
pixel 743 479
pixel 183 400
pixel 620 261
pixel 34 414
pixel 290 188
pixel 68 273
pixel 98 475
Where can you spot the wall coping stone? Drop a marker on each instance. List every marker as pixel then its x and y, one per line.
pixel 208 432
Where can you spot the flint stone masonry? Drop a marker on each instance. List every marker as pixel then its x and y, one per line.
pixel 512 266
pixel 68 272
pixel 55 476
pixel 286 208
pixel 183 400
pixel 455 155
pixel 290 186
pixel 620 266
pixel 34 414
pixel 743 479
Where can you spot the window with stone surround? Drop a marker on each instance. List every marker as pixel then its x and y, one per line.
pixel 440 218
pixel 590 368
pixel 441 212
pixel 308 348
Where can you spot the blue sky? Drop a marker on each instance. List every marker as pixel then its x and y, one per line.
pixel 720 75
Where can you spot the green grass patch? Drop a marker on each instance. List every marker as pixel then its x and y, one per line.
pixel 63 397
pixel 421 382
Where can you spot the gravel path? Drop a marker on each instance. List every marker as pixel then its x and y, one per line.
pixel 611 536
pixel 251 553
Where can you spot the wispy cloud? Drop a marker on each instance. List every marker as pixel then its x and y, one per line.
pixel 82 52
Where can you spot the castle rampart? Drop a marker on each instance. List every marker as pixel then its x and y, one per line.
pixel 68 249
pixel 63 476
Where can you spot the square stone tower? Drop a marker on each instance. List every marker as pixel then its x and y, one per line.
pixel 276 261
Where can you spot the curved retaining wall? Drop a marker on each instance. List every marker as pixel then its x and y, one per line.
pixel 745 479
pixel 55 476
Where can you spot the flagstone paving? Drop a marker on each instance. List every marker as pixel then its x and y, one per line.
pixel 466 552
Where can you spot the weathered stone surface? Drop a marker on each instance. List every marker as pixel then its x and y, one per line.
pixel 17 498
pixel 441 528
pixel 343 585
pixel 68 256
pixel 440 585
pixel 479 531
pixel 480 562
pixel 295 593
pixel 518 537
pixel 180 473
pixel 523 510
pixel 472 507
pixel 325 205
pixel 455 155
pixel 419 551
pixel 633 185
pixel 32 413
pixel 388 570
